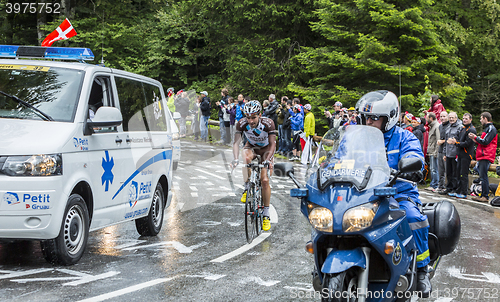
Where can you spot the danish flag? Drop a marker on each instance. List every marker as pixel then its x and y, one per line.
pixel 63 32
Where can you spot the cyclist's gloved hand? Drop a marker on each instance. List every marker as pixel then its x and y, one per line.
pixel 268 163
pixel 413 176
pixel 234 163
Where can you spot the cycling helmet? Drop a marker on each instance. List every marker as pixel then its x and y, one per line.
pixel 308 107
pixel 381 103
pixel 252 108
pixel 170 91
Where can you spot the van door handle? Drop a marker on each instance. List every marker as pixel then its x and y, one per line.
pixel 118 140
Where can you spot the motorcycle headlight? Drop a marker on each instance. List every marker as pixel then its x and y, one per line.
pixel 321 219
pixel 34 165
pixel 359 218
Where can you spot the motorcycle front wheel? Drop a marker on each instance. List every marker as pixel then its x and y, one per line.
pixel 341 287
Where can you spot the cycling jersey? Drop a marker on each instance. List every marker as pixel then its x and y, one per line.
pixel 258 136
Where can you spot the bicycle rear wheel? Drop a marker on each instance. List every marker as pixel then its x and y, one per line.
pixel 250 215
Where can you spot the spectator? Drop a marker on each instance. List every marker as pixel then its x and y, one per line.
pixel 485 153
pixel 407 118
pixel 432 150
pixel 170 99
pixel 181 104
pixel 265 104
pixel 333 121
pixel 337 107
pixel 451 152
pixel 418 130
pixel 297 124
pixel 309 122
pixel 281 117
pixel 220 106
pixel 287 128
pixel 195 126
pixel 239 108
pixel 228 139
pixel 271 110
pixel 436 105
pixel 443 127
pixel 205 115
pixel 465 146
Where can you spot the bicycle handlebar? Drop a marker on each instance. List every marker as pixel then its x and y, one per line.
pixel 252 165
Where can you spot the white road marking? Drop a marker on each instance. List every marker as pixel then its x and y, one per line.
pixel 198 177
pixel 485 277
pixel 79 277
pixel 181 248
pixel 273 215
pixel 260 281
pixel 297 289
pixel 15 274
pixel 177 177
pixel 211 223
pixel 193 188
pixel 127 290
pixel 211 174
pixel 207 276
pixel 194 194
pixel 242 249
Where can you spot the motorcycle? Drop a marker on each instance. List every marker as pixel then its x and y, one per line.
pixel 362 243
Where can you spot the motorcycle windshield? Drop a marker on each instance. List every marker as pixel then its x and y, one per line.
pixel 353 154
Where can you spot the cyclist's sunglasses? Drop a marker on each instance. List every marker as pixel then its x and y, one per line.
pixel 373 117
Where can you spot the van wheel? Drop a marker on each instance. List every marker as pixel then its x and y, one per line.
pixel 151 224
pixel 68 247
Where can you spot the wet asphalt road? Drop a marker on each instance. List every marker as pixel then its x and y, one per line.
pixel 201 253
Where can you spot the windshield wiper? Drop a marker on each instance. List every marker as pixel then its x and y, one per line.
pixel 45 115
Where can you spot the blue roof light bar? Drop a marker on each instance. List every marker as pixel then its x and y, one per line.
pixel 61 53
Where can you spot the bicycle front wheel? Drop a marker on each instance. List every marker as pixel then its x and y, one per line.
pixel 259 209
pixel 250 215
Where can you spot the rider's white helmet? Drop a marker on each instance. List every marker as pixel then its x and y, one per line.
pixel 251 108
pixel 381 103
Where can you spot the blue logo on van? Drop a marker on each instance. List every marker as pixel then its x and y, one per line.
pixel 81 143
pixel 107 176
pixel 11 198
pixel 132 194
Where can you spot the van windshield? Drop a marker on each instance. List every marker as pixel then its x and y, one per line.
pixel 49 91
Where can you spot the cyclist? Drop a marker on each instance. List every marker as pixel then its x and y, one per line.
pixel 380 109
pixel 261 140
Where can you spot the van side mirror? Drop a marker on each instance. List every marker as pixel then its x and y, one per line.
pixel 104 117
pixel 409 165
pixel 177 116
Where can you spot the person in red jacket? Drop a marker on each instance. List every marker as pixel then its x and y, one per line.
pixel 485 153
pixel 436 106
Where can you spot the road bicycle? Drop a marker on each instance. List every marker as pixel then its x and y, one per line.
pixel 253 204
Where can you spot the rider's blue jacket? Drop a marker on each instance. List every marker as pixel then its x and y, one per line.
pixel 400 144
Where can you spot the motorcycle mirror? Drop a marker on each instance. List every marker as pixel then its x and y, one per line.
pixel 409 165
pixel 283 169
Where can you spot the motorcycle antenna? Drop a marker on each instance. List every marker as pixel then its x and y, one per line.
pixel 399 94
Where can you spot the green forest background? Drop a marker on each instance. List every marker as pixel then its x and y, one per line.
pixel 321 51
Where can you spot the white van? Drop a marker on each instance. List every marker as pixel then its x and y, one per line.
pixel 82 147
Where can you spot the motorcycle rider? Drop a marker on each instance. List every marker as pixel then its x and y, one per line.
pixel 380 109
